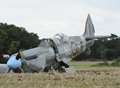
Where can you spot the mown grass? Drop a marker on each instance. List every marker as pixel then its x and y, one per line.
pixel 84 77
pixel 87 65
pixel 93 65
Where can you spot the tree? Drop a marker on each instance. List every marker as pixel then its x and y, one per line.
pixel 103 49
pixel 13 38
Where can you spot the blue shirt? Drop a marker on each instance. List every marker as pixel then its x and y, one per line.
pixel 14 63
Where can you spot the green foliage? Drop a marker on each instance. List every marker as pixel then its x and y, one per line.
pixel 13 38
pixel 103 49
pixel 13 46
pixel 106 49
pixel 116 62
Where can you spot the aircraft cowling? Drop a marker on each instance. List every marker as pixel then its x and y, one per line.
pixel 38 58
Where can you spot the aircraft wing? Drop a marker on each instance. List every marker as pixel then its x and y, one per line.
pixel 3 68
pixel 102 37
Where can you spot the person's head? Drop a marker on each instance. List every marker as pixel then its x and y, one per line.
pixel 18 55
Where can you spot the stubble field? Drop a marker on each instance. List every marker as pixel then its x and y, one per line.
pixel 84 77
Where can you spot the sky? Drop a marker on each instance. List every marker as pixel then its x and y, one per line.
pixel 49 17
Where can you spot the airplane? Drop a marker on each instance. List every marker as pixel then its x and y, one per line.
pixel 56 53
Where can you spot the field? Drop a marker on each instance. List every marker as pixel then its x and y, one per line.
pixel 85 76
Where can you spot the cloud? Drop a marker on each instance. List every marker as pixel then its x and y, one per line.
pixel 48 17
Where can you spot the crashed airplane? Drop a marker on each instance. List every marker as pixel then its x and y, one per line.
pixel 55 53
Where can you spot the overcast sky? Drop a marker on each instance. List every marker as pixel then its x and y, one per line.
pixel 48 17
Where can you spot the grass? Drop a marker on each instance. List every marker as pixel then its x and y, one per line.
pixel 85 77
pixel 88 65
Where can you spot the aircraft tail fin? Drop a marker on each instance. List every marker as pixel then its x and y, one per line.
pixel 89 28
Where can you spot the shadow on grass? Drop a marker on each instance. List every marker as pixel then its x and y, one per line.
pixel 101 64
pixel 114 63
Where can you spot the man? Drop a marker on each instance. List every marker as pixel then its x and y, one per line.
pixel 14 63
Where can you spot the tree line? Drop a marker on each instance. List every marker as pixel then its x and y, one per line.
pixel 103 49
pixel 13 38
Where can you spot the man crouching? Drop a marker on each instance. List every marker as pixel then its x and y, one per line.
pixel 14 63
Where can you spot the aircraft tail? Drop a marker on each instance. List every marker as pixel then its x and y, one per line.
pixel 89 28
pixel 89 33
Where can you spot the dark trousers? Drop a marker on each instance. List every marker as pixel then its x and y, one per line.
pixel 17 70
